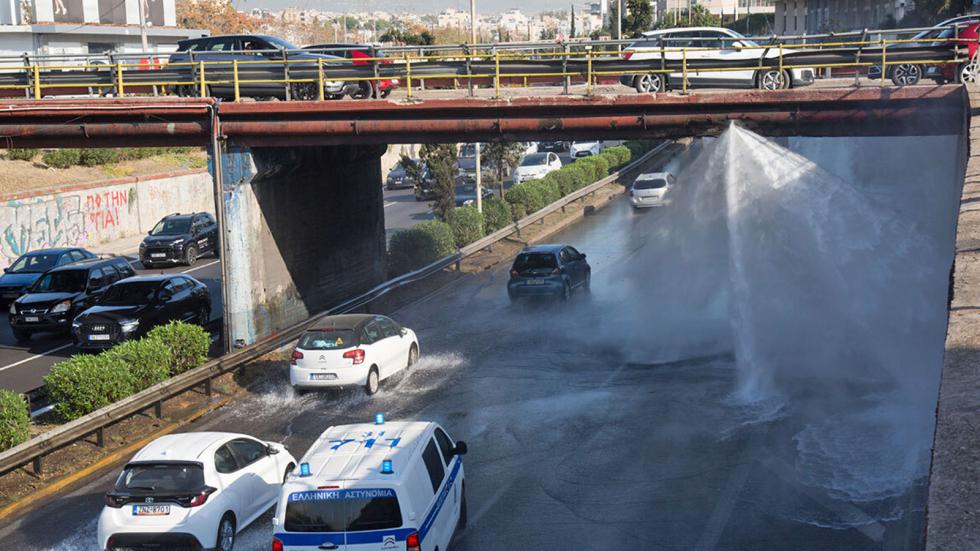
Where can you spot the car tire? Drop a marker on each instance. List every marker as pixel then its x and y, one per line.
pixel 226 534
pixel 190 255
pixel 373 382
pixel 773 79
pixel 463 516
pixel 968 72
pixel 587 284
pixel 413 356
pixel 216 250
pixel 147 265
pixel 21 336
pixel 304 91
pixel 203 315
pixel 650 83
pixel 566 292
pixel 363 91
pixel 906 74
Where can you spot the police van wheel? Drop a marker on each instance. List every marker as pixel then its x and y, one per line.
pixel 226 534
pixel 462 510
pixel 190 257
pixel 372 382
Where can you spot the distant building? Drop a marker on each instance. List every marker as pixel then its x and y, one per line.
pixel 820 16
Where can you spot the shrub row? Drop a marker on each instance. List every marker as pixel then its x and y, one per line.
pixel 15 419
pixel 423 244
pixel 20 154
pixel 64 158
pixel 86 382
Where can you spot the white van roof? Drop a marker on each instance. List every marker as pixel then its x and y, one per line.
pixel 355 452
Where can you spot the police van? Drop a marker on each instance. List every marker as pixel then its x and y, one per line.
pixel 374 487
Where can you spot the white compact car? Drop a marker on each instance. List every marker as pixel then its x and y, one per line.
pixel 374 487
pixel 584 149
pixel 192 490
pixel 708 44
pixel 352 350
pixel 536 165
pixel 651 189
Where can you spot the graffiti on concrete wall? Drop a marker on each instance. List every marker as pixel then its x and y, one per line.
pixel 35 225
pixel 103 208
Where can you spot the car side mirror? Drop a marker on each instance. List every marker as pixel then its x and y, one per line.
pixel 271 450
pixel 581 256
pixel 6 270
pixel 460 448
pixel 403 331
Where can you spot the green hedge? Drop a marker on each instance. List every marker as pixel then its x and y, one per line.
pixel 15 420
pixel 149 361
pixel 20 154
pixel 467 225
pixel 84 383
pixel 496 214
pixel 423 244
pixel 64 158
pixel 188 344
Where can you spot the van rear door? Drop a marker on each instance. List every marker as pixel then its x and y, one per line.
pixel 368 519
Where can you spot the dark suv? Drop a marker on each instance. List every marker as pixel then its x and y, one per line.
pixel 251 50
pixel 548 270
pixel 130 308
pixel 57 296
pixel 180 239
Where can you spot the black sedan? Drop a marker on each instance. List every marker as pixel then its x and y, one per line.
pixel 132 307
pixel 28 268
pixel 466 194
pixel 556 147
pixel 180 239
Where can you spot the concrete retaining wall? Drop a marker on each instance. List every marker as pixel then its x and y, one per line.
pixel 90 214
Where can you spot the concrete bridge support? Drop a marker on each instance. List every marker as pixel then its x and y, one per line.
pixel 303 229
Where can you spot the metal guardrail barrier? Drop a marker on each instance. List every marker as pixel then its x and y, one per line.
pixel 35 449
pixel 311 74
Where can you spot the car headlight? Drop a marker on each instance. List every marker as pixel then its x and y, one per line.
pixel 62 306
pixel 142 246
pixel 468 202
pixel 128 326
pixel 75 324
pixel 13 309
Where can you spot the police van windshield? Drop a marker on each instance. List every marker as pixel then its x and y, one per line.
pixel 333 339
pixel 342 511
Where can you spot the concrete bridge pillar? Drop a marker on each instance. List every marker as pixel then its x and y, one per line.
pixel 303 230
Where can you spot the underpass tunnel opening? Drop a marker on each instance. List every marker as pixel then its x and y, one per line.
pixel 304 231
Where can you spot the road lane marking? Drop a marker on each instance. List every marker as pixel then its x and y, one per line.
pixel 212 263
pixel 389 203
pixel 36 356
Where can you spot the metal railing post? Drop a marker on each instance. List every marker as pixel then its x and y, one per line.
pixel 376 87
pixel 285 76
pixel 496 72
pixel 234 70
pixel 36 72
pixel 884 59
pixel 319 78
pixel 469 69
pixel 588 70
pixel 781 77
pixel 408 75
pixel 567 80
pixel 200 76
pixel 684 71
pixel 119 80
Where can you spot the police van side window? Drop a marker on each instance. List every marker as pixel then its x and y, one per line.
pixel 433 464
pixel 445 445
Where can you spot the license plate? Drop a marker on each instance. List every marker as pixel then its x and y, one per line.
pixel 151 510
pixel 98 337
pixel 31 319
pixel 535 282
pixel 322 376
pixel 158 255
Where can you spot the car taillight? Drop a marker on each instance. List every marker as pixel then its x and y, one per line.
pixel 412 542
pixel 115 501
pixel 198 499
pixel 356 355
pixel 276 544
pixel 297 355
pixel 627 55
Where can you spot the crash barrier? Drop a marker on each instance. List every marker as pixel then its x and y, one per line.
pixel 34 450
pixel 305 75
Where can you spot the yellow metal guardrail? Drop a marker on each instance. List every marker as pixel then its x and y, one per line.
pixel 134 78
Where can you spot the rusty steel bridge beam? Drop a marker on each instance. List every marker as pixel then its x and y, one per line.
pixel 867 111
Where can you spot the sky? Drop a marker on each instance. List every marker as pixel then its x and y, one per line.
pixel 416 6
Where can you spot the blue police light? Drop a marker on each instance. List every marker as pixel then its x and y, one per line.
pixel 379 418
pixel 386 467
pixel 304 469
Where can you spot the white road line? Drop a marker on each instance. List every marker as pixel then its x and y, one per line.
pixel 389 203
pixel 36 356
pixel 212 263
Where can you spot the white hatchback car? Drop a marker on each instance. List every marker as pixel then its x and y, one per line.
pixel 584 149
pixel 192 490
pixel 651 189
pixel 352 350
pixel 536 165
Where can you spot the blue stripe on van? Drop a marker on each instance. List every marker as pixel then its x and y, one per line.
pixel 443 494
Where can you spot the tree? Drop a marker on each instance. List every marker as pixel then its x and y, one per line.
pixel 699 17
pixel 408 38
pixel 414 170
pixel 928 12
pixel 503 157
pixel 639 17
pixel 215 16
pixel 571 32
pixel 441 161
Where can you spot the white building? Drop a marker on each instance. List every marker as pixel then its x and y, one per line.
pixel 819 16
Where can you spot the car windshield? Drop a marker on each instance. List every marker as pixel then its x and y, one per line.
pixel 467 150
pixel 133 293
pixel 535 159
pixel 466 189
pixel 280 43
pixel 34 263
pixel 164 478
pixel 63 281
pixel 326 339
pixel 527 262
pixel 650 183
pixel 172 226
pixel 342 511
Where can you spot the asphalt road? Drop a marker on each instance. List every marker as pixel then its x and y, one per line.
pixel 584 431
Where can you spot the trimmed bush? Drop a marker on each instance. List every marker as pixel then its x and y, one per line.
pixel 549 190
pixel 565 181
pixel 62 158
pixel 149 361
pixel 496 214
pixel 20 154
pixel 580 176
pixel 15 420
pixel 467 224
pixel 98 157
pixel 621 155
pixel 596 167
pixel 84 383
pixel 519 199
pixel 423 244
pixel 188 344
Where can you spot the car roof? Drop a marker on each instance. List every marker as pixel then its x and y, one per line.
pixel 89 263
pixel 184 446
pixel 54 250
pixel 654 175
pixel 152 277
pixel 659 32
pixel 355 452
pixel 343 321
pixel 182 215
pixel 545 248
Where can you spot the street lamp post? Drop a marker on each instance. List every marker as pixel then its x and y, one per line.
pixel 479 173
pixel 619 19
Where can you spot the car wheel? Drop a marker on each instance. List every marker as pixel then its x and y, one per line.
pixel 190 255
pixel 226 534
pixel 906 74
pixel 462 509
pixel 216 250
pixel 21 336
pixel 587 284
pixel 363 91
pixel 147 265
pixel 385 93
pixel 373 382
pixel 413 356
pixel 773 79
pixel 203 316
pixel 968 73
pixel 566 292
pixel 304 91
pixel 650 84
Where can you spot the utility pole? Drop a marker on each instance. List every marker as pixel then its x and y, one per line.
pixel 619 19
pixel 142 14
pixel 479 173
